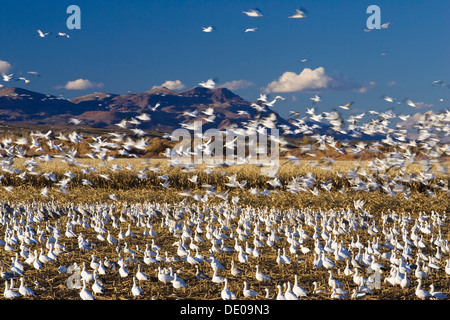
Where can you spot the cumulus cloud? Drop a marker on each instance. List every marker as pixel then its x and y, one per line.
pixel 237 84
pixel 5 66
pixel 306 80
pixel 311 80
pixel 172 85
pixel 82 84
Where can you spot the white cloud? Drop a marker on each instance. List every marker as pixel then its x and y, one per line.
pixel 172 85
pixel 310 80
pixel 237 84
pixel 306 80
pixel 82 84
pixel 364 89
pixel 5 66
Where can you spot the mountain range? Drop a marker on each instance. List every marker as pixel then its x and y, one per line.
pixel 104 110
pixel 167 109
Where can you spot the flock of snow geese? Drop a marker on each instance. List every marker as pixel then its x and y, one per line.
pixel 256 13
pixel 238 247
pixel 400 251
pixel 230 243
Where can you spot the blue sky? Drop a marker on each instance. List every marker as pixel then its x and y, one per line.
pixel 134 45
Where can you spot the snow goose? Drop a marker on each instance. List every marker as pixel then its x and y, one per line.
pixel 17 263
pixel 420 273
pixel 86 294
pixel 178 283
pixel 327 262
pixel 16 271
pixel 97 288
pixel 261 276
pixel 255 13
pixel 9 293
pixel 421 293
pixel 123 271
pixel 101 268
pixel 164 277
pixel 226 294
pixel 94 263
pixel 285 257
pixel 348 271
pixel 141 276
pixel 299 291
pixel 335 294
pixel 24 290
pixel 333 282
pixel 405 282
pixel 149 259
pixel 249 293
pixel 236 271
pixel 447 267
pixel 42 34
pixel 300 14
pixel 316 289
pixel 242 257
pixel 216 278
pixel 86 275
pixel 358 279
pixel 280 260
pixel 280 295
pixel 36 263
pixel 136 290
pixel 208 29
pixel 43 257
pixel 357 294
pixel 200 275
pixel 437 295
pixel 364 288
pixel 288 294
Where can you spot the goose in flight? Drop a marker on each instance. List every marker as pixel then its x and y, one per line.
pixel 7 77
pixel 255 13
pixel 33 73
pixel 262 97
pixel 143 117
pixel 316 99
pixel 242 112
pixel 42 34
pixel 75 121
pixel 410 103
pixel 346 106
pixel 299 14
pixel 62 34
pixel 208 29
pixel 271 103
pixel 388 99
pixel 27 81
pixel 251 29
pixel 209 111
